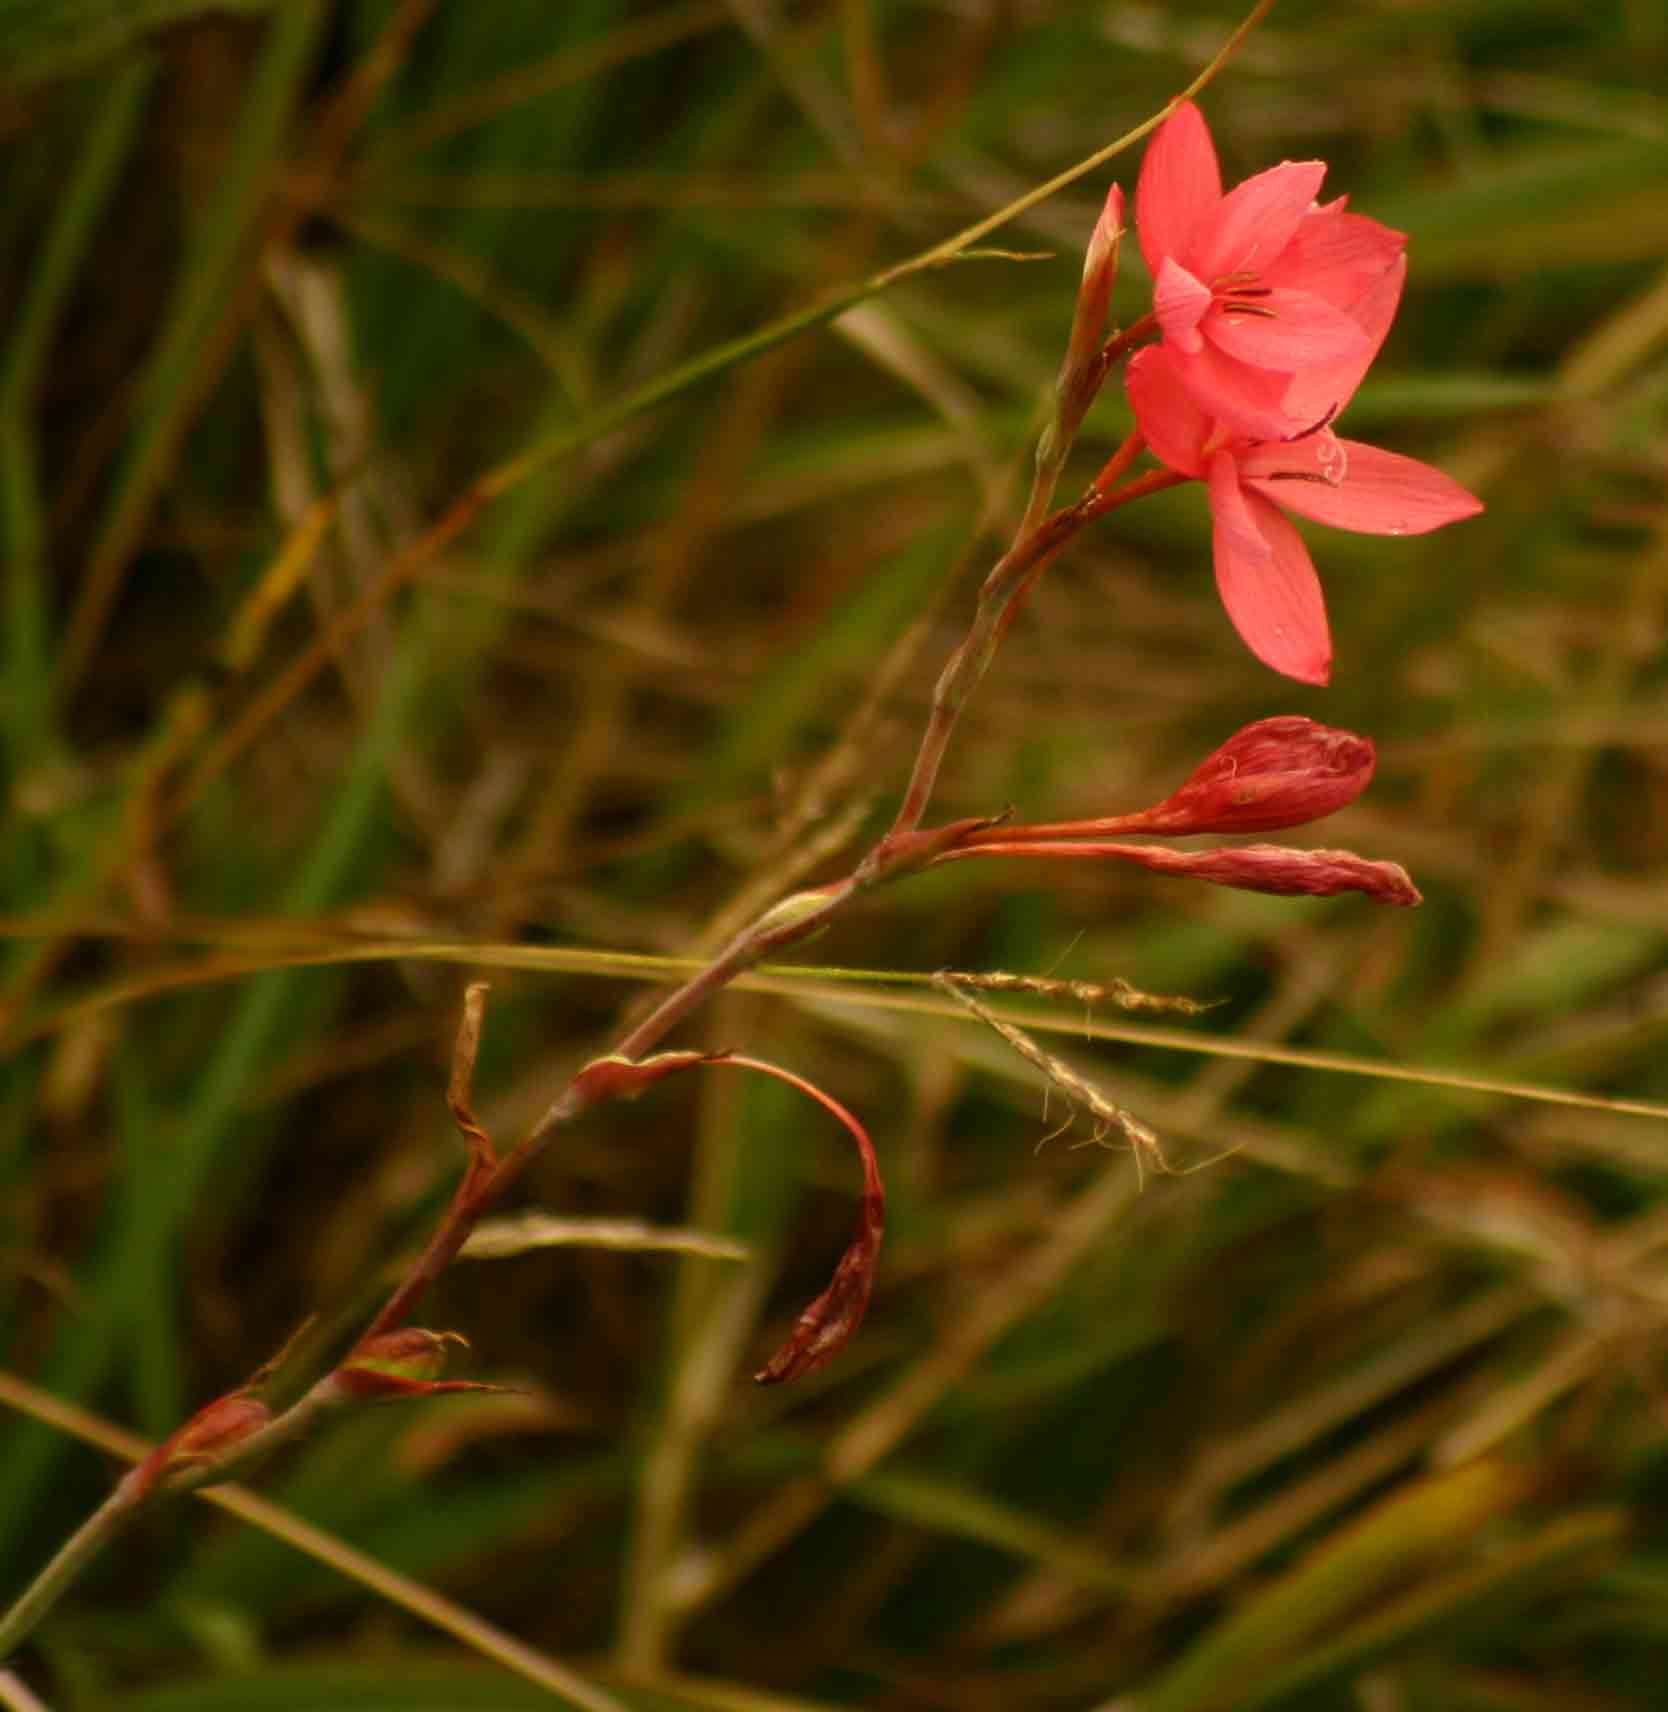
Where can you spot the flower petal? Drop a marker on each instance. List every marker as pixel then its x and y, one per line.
pixel 1179 188
pixel 1286 331
pixel 1267 580
pixel 1170 421
pixel 1336 255
pixel 1247 402
pixel 1318 393
pixel 1381 493
pixel 1257 219
pixel 1180 302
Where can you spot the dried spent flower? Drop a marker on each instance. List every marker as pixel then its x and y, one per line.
pixel 829 1322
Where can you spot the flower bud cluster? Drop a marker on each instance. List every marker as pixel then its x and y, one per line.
pixel 1279 772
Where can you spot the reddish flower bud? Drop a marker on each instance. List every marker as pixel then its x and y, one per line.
pixel 1274 868
pixel 1100 274
pixel 213 1431
pixel 1082 371
pixel 1279 772
pixel 401 1364
pixel 1249 867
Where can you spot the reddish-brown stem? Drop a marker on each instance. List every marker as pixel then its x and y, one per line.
pixel 481 1190
pixel 788 923
pixel 1154 481
pixel 1112 826
pixel 1000 601
pixel 1117 466
pixel 1121 344
pixel 469 1206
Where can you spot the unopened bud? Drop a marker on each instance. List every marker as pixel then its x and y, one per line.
pixel 1249 867
pixel 1100 274
pixel 1286 873
pixel 1285 771
pixel 1081 373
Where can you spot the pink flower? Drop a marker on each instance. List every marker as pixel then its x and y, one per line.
pixel 1263 570
pixel 1256 289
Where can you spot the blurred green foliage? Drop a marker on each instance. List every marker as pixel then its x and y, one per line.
pixel 1367 1410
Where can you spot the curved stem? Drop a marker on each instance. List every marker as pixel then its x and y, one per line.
pixel 1117 466
pixel 72 1557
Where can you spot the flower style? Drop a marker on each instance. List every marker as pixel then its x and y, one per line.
pixel 1255 289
